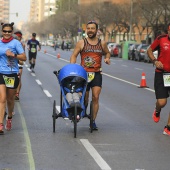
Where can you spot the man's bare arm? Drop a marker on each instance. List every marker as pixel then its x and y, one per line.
pixel 107 53
pixel 158 64
pixel 150 54
pixel 76 51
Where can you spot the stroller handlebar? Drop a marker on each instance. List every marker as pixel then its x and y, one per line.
pixel 56 72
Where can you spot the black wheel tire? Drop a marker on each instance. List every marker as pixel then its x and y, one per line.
pixel 75 121
pixel 54 115
pixel 91 117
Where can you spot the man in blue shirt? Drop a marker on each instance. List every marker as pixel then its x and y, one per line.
pixel 32 47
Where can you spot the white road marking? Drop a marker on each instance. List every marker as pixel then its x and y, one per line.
pixel 93 152
pixel 38 82
pixel 47 93
pixel 124 65
pixel 57 58
pixel 33 74
pixel 64 60
pixel 51 55
pixel 138 69
pixel 58 108
pixel 126 81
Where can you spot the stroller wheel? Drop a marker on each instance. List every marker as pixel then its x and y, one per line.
pixel 54 116
pixel 75 121
pixel 91 116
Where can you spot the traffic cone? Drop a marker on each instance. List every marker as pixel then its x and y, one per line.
pixel 143 81
pixel 58 55
pixel 45 51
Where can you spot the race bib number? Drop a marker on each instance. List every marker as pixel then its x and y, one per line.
pixel 9 81
pixel 166 78
pixel 90 76
pixel 33 50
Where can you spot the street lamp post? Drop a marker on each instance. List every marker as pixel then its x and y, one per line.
pixel 131 13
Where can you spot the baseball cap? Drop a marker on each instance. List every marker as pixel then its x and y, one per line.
pixel 34 34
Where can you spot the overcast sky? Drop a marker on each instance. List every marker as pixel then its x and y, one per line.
pixel 22 7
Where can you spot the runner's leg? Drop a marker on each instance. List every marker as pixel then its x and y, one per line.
pixel 95 98
pixel 2 102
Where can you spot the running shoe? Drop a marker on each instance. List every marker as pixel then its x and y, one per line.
pixel 166 130
pixel 156 116
pixel 8 125
pixel 1 129
pixel 94 126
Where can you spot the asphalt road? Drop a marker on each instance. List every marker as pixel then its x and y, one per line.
pixel 127 138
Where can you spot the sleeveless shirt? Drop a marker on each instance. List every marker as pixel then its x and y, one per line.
pixel 91 56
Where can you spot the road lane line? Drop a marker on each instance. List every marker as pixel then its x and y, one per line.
pixel 58 108
pixel 38 82
pixel 52 55
pixel 33 74
pixel 92 151
pixel 47 93
pixel 138 69
pixel 125 81
pixel 27 138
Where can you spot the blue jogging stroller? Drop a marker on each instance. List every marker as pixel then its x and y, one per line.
pixel 72 79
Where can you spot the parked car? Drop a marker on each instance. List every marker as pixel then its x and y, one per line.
pixel 140 52
pixel 110 45
pixel 147 59
pixel 132 50
pixel 114 49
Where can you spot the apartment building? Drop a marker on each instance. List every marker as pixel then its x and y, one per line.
pixel 4 10
pixel 41 9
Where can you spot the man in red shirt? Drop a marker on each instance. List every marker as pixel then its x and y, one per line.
pixel 162 75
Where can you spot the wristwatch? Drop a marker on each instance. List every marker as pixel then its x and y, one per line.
pixel 154 60
pixel 15 55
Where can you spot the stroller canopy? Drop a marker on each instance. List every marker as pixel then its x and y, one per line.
pixel 72 70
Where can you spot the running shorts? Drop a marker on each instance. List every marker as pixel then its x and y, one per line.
pixel 10 80
pixel 97 81
pixel 32 55
pixel 161 92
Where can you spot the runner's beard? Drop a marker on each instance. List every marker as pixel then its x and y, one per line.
pixel 93 36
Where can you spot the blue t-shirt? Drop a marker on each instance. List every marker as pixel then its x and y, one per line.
pixel 33 45
pixel 9 65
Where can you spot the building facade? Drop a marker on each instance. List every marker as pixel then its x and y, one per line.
pixel 4 11
pixel 41 9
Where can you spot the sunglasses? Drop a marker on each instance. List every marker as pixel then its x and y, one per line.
pixel 5 31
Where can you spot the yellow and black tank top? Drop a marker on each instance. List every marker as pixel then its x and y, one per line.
pixel 91 56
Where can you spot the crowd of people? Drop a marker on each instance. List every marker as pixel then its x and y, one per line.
pixel 91 50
